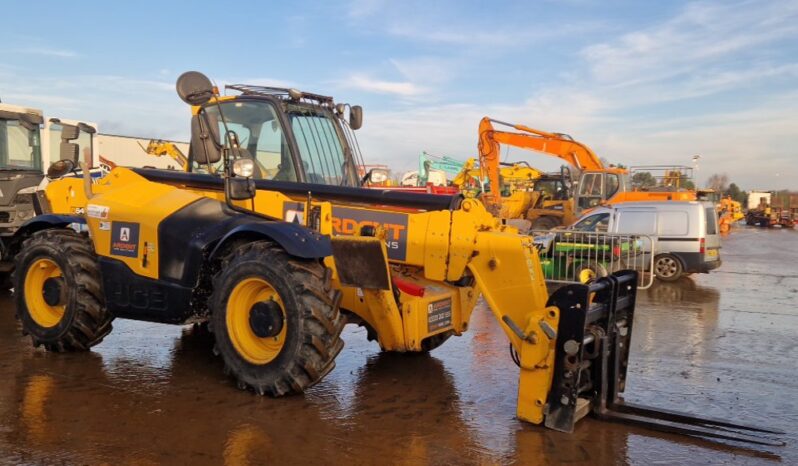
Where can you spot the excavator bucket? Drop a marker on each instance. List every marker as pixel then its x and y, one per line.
pixel 590 369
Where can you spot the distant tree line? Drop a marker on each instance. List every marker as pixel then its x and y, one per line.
pixel 718 182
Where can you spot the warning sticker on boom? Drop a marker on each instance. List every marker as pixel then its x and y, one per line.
pixel 439 315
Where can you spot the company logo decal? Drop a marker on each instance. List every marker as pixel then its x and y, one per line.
pixel 124 239
pixel 349 221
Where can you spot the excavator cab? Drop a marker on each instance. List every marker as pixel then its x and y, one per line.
pixel 597 187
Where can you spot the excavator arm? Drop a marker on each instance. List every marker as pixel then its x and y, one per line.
pixel 574 153
pixel 160 148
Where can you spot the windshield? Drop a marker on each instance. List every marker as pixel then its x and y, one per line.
pixel 320 146
pixel 84 142
pixel 20 147
pixel 597 222
pixel 260 137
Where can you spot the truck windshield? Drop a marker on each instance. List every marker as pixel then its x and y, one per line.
pixel 320 146
pixel 20 147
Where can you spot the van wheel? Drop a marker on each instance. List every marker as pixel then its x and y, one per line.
pixel 668 268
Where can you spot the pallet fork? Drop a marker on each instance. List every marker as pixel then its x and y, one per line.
pixel 592 360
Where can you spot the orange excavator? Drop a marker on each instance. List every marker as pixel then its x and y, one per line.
pixel 596 184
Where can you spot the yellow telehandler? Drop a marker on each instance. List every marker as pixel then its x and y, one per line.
pixel 269 237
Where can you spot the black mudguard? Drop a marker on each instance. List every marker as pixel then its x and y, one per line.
pixel 200 231
pixel 40 222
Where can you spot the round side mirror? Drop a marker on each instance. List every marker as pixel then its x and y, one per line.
pixel 60 168
pixel 194 88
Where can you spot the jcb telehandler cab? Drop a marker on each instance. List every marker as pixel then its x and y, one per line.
pixel 270 239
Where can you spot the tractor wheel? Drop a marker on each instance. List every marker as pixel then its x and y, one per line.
pixel 58 289
pixel 668 268
pixel 545 223
pixel 275 319
pixel 588 273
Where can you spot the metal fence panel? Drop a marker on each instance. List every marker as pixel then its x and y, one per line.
pixel 569 256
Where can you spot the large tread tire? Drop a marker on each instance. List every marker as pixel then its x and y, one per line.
pixel 85 321
pixel 313 319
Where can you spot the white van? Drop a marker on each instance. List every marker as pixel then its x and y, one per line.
pixel 685 233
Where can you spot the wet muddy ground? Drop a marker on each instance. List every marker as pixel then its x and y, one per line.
pixel 723 345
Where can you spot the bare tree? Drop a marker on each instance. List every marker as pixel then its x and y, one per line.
pixel 719 182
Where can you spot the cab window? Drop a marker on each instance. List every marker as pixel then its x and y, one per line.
pixel 319 146
pixel 19 146
pixel 590 190
pixel 597 222
pixel 84 142
pixel 611 186
pixel 259 135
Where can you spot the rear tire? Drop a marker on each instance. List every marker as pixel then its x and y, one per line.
pixel 303 347
pixel 58 290
pixel 668 267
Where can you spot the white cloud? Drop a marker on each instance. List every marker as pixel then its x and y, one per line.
pixel 368 84
pixel 364 8
pixel 426 69
pixel 50 52
pixel 702 35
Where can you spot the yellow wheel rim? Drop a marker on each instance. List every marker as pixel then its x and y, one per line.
pixel 251 347
pixel 586 275
pixel 41 312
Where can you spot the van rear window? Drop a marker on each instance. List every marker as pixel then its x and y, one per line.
pixel 712 223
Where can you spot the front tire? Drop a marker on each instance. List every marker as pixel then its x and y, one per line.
pixel 275 319
pixel 668 267
pixel 58 290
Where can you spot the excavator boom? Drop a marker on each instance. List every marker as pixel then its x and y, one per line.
pixel 559 145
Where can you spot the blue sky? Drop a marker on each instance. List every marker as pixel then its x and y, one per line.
pixel 640 82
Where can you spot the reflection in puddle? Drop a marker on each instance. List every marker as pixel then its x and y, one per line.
pixel 153 394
